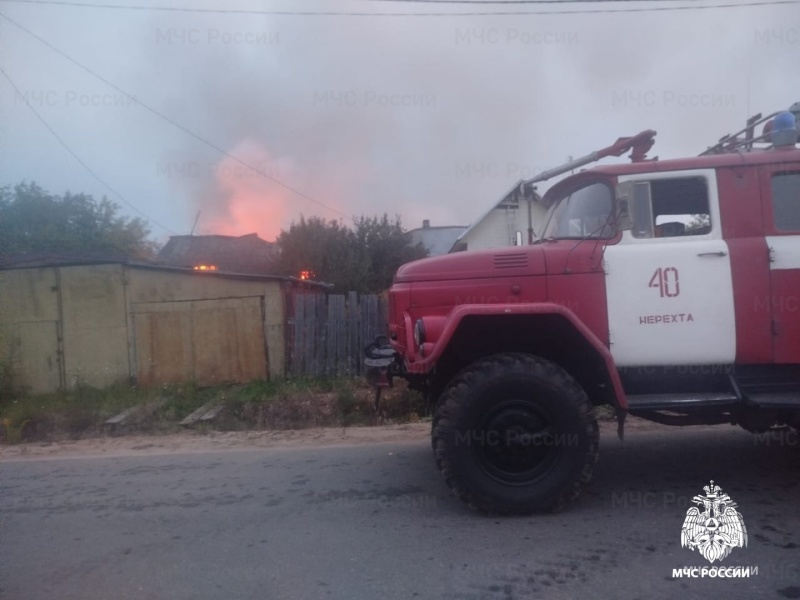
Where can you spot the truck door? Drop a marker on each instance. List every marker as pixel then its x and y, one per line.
pixel 668 280
pixel 780 193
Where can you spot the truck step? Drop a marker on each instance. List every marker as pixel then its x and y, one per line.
pixel 774 379
pixel 775 399
pixel 680 402
pixel 779 386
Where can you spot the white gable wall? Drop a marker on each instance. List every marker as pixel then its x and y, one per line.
pixel 496 230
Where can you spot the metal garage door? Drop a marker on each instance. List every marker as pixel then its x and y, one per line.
pixel 205 341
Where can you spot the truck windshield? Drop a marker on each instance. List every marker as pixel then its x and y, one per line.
pixel 584 213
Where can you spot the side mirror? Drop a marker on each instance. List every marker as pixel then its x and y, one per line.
pixel 624 199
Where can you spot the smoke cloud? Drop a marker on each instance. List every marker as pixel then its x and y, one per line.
pixel 426 118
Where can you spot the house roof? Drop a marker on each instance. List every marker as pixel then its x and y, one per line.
pixel 242 254
pixel 20 262
pixel 512 194
pixel 51 259
pixel 437 240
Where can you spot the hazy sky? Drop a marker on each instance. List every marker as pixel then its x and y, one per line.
pixel 425 117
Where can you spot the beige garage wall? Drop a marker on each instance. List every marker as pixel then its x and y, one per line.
pixel 30 327
pixel 95 326
pixel 99 325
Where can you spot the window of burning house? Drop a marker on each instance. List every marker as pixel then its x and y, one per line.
pixel 786 201
pixel 678 207
pixel 583 213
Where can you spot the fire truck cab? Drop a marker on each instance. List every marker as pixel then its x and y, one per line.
pixel 668 289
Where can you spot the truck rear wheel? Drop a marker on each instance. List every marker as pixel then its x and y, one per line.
pixel 515 434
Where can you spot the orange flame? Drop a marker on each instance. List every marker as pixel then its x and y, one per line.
pixel 205 267
pixel 248 201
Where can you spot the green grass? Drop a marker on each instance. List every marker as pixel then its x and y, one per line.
pixel 605 413
pixel 71 414
pixel 279 404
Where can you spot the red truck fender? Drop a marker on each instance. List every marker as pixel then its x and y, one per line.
pixel 417 363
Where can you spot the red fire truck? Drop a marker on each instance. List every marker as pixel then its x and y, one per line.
pixel 667 289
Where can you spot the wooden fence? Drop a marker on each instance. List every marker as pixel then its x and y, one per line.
pixel 330 333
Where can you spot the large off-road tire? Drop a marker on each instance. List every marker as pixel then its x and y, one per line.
pixel 515 434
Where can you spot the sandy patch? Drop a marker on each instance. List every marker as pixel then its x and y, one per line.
pixel 216 441
pixel 189 442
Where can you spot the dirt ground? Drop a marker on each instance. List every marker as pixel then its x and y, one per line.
pixel 214 441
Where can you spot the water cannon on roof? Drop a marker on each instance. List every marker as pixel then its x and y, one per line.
pixel 639 145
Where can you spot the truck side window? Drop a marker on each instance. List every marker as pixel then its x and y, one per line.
pixel 679 207
pixel 786 201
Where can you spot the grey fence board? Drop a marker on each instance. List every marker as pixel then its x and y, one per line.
pixel 296 361
pixel 312 337
pixel 330 332
pixel 353 323
pixel 336 359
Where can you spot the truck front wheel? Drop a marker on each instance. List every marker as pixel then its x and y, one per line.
pixel 515 434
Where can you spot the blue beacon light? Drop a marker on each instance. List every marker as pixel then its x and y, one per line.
pixel 784 129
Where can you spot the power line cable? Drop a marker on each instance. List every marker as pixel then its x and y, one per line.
pixel 78 158
pixel 175 123
pixel 293 13
pixel 515 1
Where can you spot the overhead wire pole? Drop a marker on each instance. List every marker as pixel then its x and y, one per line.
pixel 194 225
pixel 74 155
pixel 172 122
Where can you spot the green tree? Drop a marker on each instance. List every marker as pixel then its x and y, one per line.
pixel 363 258
pixel 384 246
pixel 32 220
pixel 322 249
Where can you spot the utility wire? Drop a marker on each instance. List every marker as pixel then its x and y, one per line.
pixel 78 158
pixel 172 122
pixel 294 13
pixel 519 1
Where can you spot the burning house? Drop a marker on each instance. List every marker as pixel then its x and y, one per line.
pixel 246 254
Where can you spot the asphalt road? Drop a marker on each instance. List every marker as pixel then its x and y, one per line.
pixel 374 522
